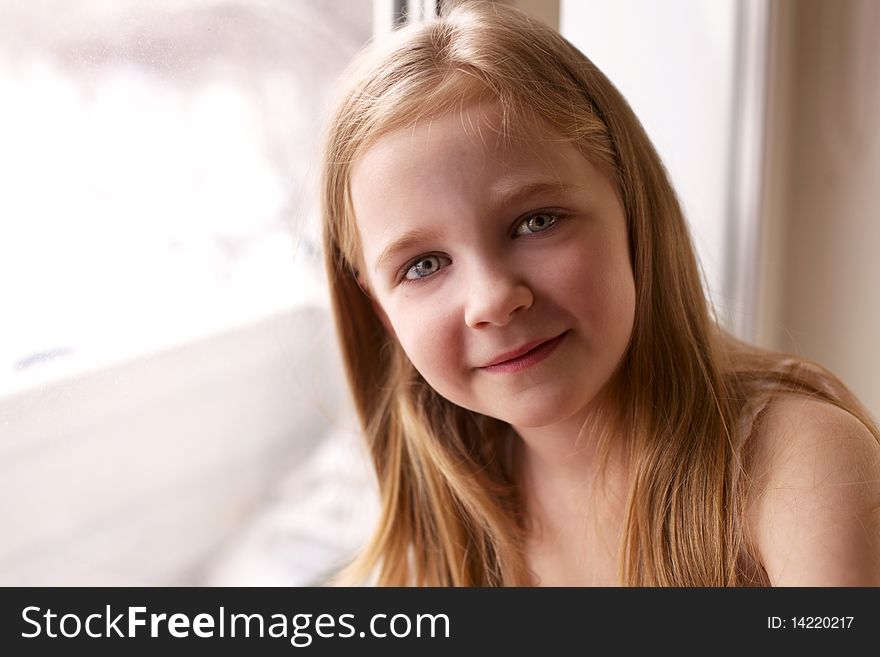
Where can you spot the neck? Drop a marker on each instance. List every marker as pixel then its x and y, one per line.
pixel 568 450
pixel 575 510
pixel 559 469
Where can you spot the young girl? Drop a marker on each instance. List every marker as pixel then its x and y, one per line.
pixel 546 396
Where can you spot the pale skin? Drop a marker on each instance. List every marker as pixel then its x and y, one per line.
pixel 479 251
pixel 815 507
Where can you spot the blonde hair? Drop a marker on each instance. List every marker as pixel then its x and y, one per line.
pixel 688 392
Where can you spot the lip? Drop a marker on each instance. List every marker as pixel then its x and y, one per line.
pixel 525 356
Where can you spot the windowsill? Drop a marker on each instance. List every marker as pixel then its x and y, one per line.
pixel 170 450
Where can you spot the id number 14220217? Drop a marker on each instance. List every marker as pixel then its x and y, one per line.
pixel 810 622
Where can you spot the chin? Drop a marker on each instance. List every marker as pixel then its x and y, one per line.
pixel 538 414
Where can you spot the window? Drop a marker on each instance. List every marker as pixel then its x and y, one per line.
pixel 162 359
pixel 158 163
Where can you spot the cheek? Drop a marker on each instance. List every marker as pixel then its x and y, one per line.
pixel 431 336
pixel 617 291
pixel 597 287
pixel 622 307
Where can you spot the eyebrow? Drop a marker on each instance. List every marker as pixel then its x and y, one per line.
pixel 508 196
pixel 402 243
pixel 514 194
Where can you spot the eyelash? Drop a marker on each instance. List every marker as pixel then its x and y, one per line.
pixel 554 219
pixel 408 268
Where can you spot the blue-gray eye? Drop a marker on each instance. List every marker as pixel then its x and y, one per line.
pixel 535 223
pixel 424 267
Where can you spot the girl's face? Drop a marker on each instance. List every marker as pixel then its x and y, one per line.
pixel 502 269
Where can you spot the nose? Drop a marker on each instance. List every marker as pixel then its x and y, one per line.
pixel 494 297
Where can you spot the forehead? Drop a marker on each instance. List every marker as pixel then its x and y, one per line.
pixel 464 156
pixel 476 136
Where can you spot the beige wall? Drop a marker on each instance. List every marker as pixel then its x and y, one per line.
pixel 544 10
pixel 821 268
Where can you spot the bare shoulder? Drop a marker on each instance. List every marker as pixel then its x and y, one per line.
pixel 814 511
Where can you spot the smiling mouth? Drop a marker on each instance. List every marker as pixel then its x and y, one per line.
pixel 532 356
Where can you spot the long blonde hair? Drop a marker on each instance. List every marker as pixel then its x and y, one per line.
pixel 451 513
